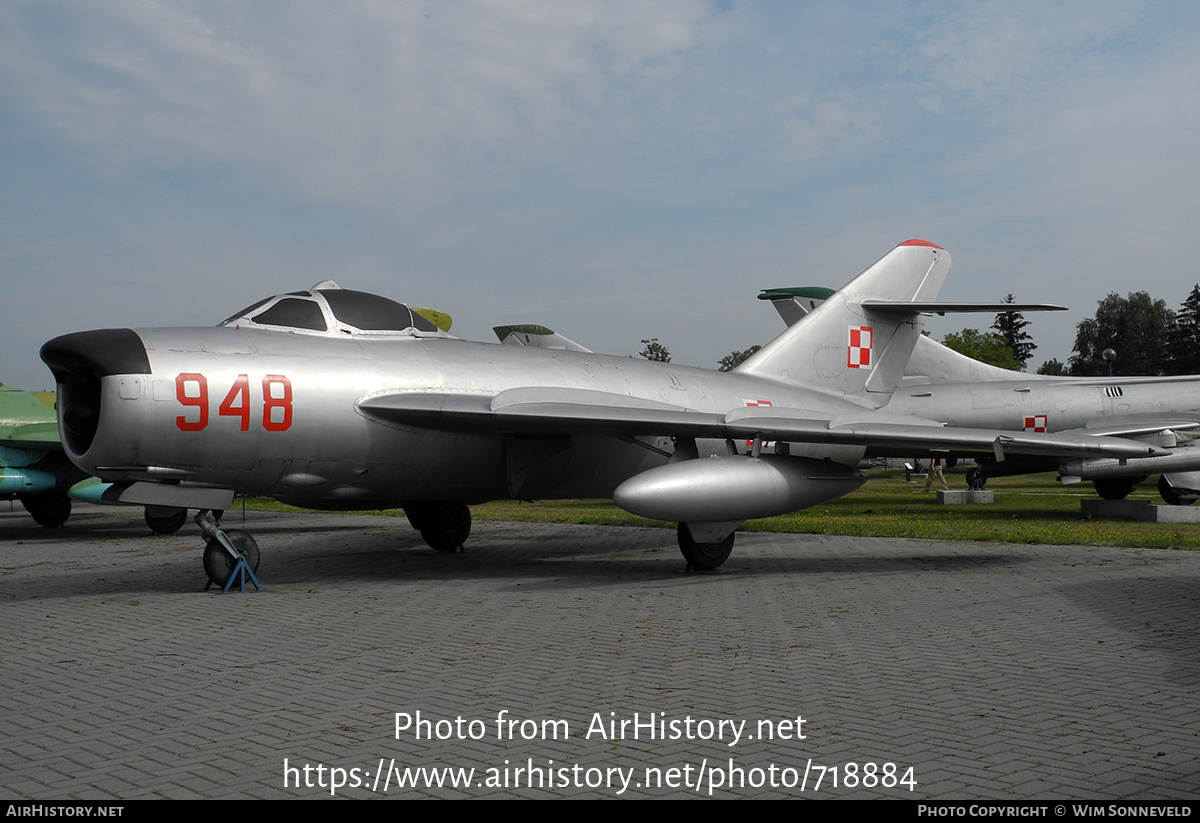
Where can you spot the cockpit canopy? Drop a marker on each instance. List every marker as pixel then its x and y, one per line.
pixel 328 309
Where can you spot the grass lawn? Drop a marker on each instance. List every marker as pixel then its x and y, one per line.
pixel 1028 509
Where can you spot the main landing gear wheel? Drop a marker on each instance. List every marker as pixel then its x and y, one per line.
pixel 1170 494
pixel 446 526
pixel 218 565
pixel 49 510
pixel 1114 488
pixel 975 480
pixel 703 556
pixel 168 524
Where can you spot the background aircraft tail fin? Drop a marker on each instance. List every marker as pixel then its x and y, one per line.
pixel 858 341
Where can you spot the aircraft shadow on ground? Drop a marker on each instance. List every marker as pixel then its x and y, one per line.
pixel 380 550
pixel 1168 619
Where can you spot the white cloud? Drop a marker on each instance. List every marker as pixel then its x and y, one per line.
pixel 342 99
pixel 581 150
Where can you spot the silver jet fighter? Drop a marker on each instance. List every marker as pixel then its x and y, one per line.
pixel 944 385
pixel 339 399
pixel 1164 411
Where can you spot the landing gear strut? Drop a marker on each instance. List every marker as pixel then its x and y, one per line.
pixel 445 525
pixel 703 556
pixel 229 555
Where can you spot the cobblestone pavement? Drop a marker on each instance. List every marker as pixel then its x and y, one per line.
pixel 993 671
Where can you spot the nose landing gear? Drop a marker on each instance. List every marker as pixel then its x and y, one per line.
pixel 230 556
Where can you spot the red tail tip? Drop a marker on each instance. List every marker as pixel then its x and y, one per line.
pixel 921 243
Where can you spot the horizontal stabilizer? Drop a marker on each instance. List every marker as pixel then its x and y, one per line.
pixel 901 307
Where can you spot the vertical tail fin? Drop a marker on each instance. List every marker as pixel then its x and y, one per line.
pixel 855 343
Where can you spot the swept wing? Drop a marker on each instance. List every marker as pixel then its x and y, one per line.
pixel 552 410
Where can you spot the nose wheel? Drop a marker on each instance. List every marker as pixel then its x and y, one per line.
pixel 230 557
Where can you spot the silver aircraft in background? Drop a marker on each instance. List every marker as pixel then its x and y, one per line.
pixel 941 384
pixel 334 398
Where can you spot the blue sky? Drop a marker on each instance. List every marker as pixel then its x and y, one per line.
pixel 615 170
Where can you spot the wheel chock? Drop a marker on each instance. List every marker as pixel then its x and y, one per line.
pixel 241 571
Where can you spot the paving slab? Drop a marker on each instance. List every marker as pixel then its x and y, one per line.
pixel 1142 510
pixel 583 661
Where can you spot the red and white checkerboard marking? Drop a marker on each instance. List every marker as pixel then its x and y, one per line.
pixel 858 353
pixel 758 403
pixel 1037 423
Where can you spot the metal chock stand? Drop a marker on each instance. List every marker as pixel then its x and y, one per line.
pixel 241 570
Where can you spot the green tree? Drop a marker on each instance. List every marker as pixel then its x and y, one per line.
pixel 1136 327
pixel 1185 336
pixel 735 358
pixel 1053 367
pixel 986 347
pixel 1011 326
pixel 653 350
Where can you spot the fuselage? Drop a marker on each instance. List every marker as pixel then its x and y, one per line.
pixel 275 413
pixel 1051 404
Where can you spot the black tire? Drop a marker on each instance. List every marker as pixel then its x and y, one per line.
pixel 446 526
pixel 48 510
pixel 417 514
pixel 218 565
pixel 703 556
pixel 975 480
pixel 167 525
pixel 1114 488
pixel 1170 494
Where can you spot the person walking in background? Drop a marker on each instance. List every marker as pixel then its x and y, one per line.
pixel 935 467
